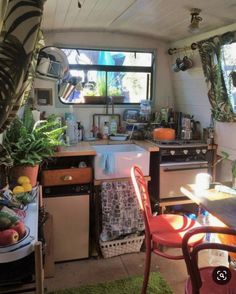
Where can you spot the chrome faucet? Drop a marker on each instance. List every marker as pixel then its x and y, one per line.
pixel 109 101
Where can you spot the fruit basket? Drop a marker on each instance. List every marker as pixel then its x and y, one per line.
pixel 122 246
pixel 22 241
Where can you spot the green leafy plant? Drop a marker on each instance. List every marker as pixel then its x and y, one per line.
pixel 225 156
pixel 17 51
pixel 28 143
pixel 233 169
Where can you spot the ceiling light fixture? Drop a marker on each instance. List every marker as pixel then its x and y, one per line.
pixel 195 20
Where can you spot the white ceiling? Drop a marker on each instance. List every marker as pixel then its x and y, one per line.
pixel 162 19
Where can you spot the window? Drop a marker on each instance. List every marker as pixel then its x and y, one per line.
pixel 229 69
pixel 126 77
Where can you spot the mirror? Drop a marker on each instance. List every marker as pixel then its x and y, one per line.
pixel 52 62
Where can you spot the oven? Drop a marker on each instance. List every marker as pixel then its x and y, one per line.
pixel 175 174
pixel 178 164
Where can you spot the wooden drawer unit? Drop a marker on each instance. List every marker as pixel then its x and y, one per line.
pixel 67 176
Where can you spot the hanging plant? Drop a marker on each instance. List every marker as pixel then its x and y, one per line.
pixel 17 51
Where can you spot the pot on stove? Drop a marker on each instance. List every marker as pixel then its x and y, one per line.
pixel 167 134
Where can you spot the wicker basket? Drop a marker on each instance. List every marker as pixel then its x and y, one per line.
pixel 122 246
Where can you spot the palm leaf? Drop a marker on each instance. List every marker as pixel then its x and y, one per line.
pixel 15 61
pixel 19 5
pixel 22 19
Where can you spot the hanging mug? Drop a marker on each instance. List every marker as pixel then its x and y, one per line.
pixel 175 66
pixel 187 62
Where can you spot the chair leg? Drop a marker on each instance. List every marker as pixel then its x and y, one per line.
pixel 147 267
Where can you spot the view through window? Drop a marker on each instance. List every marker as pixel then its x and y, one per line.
pixel 123 76
pixel 229 68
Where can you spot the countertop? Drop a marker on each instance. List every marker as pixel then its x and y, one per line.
pixel 85 148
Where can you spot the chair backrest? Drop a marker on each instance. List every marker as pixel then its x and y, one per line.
pixel 141 191
pixel 191 255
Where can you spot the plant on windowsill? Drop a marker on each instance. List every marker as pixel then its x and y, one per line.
pixel 26 144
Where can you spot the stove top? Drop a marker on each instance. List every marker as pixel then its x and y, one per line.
pixel 178 143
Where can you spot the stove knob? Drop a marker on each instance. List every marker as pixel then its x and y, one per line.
pixel 198 151
pixel 78 189
pixel 185 151
pixel 172 152
pixel 204 151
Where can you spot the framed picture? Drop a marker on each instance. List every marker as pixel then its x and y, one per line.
pixel 43 96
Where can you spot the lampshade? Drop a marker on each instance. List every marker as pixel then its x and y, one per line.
pixel 194 27
pixel 195 20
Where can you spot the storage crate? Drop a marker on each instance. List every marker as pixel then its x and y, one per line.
pixel 122 246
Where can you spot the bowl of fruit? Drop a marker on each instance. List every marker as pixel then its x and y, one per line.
pixel 12 230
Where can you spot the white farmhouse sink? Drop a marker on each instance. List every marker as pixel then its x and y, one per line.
pixel 115 161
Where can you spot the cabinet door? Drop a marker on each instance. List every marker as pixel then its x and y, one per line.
pixel 70 226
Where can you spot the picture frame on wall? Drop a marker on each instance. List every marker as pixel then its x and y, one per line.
pixel 43 96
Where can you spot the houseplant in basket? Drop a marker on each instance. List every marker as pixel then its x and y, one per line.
pixel 26 144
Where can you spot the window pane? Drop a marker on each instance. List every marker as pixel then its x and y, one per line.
pixel 124 75
pixel 229 65
pixel 88 83
pixel 96 57
pixel 133 86
pixel 127 87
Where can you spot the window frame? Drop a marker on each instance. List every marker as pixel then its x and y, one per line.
pixel 116 68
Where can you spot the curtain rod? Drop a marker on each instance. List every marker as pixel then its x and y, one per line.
pixel 172 51
pixel 194 46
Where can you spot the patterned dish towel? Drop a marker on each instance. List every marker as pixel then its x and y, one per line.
pixel 120 210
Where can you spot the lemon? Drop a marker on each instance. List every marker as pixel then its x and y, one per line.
pixel 18 189
pixel 23 180
pixel 27 187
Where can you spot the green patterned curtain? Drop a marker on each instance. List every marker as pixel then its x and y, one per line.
pixel 18 47
pixel 211 55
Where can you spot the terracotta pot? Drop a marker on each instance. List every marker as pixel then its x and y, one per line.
pixel 167 134
pixel 30 171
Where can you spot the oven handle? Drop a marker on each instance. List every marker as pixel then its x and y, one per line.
pixel 182 168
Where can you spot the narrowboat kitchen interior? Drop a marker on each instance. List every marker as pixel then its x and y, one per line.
pixel 117 123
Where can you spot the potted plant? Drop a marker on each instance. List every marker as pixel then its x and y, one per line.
pixel 233 170
pixel 225 156
pixel 26 144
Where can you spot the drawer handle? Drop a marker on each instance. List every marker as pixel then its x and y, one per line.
pixel 67 178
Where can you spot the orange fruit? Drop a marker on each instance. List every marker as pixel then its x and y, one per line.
pixel 27 187
pixel 23 180
pixel 18 189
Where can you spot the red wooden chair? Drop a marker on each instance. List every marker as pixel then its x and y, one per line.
pixel 202 280
pixel 160 230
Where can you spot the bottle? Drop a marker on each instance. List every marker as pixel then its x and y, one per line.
pixel 71 131
pixel 105 130
pixel 80 132
pixel 113 126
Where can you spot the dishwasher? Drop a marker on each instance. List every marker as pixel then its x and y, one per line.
pixel 69 206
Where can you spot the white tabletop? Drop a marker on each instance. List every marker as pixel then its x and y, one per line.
pixel 26 246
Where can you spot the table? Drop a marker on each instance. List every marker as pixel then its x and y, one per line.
pixel 219 204
pixel 25 248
